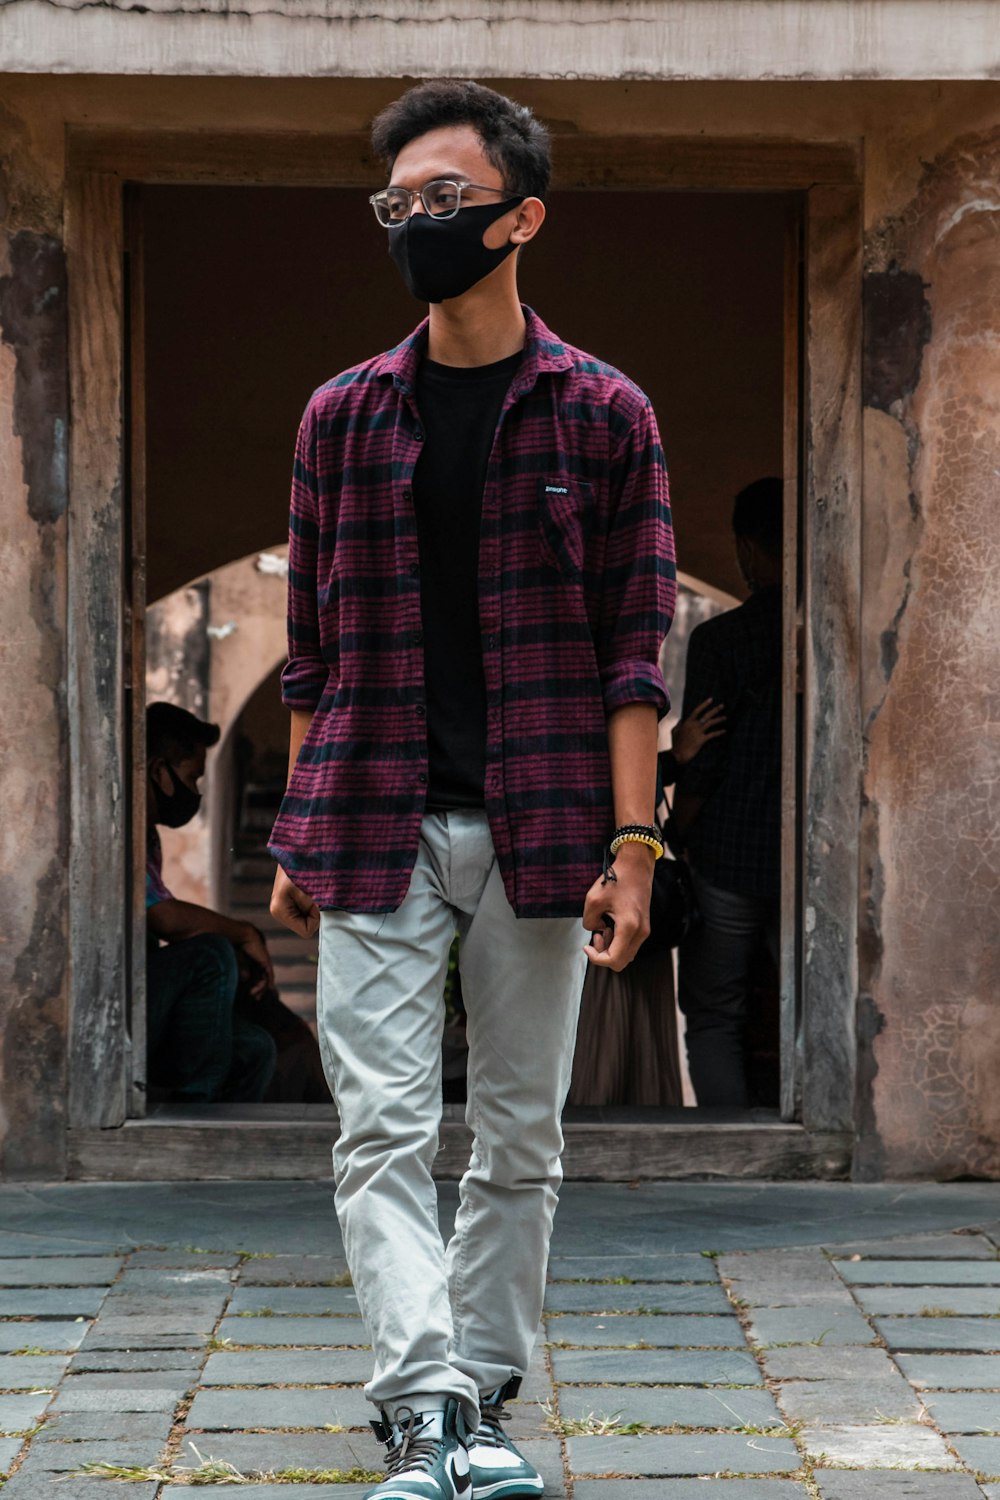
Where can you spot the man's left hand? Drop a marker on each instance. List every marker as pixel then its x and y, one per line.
pixel 617 914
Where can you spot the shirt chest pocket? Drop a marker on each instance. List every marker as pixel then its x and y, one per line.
pixel 565 520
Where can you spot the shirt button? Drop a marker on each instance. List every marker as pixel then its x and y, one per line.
pixel 407 494
pixel 421 711
pixel 418 433
pixel 422 778
pixel 414 568
pixel 418 638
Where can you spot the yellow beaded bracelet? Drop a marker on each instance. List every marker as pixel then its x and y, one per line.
pixel 637 838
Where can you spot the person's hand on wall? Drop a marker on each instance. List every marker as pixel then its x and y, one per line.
pixel 292 907
pixel 706 722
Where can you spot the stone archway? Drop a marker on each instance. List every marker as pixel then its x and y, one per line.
pixel 209 647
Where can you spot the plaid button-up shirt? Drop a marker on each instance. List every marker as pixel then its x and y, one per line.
pixel 576 591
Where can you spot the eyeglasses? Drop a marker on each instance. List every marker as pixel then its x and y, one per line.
pixel 441 198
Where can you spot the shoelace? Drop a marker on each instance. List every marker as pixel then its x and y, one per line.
pixel 412 1450
pixel 490 1431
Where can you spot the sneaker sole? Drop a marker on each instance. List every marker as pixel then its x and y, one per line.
pixel 508 1489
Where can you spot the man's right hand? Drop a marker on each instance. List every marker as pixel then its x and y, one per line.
pixel 292 907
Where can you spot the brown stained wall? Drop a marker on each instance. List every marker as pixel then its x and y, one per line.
pixel 931 957
pixel 33 724
pixel 929 1029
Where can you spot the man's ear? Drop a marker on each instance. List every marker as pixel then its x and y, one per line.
pixel 529 220
pixel 160 775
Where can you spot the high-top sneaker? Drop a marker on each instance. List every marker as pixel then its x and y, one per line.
pixel 427 1457
pixel 499 1472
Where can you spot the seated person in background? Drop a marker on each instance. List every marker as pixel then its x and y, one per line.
pixel 199 1049
pixel 727 808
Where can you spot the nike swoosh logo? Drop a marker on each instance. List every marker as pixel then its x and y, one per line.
pixel 462 1482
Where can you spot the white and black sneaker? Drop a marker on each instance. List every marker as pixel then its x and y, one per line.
pixel 499 1471
pixel 427 1457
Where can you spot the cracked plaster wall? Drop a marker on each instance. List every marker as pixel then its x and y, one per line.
pixel 929 1028
pixel 931 853
pixel 33 726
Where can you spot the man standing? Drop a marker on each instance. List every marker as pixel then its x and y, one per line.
pixel 480 575
pixel 728 805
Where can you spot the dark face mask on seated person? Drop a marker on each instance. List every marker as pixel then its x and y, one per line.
pixel 442 258
pixel 174 809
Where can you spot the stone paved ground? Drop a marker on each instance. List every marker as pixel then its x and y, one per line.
pixel 827 1370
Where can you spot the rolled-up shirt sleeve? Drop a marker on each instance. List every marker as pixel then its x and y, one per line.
pixel 304 676
pixel 639 581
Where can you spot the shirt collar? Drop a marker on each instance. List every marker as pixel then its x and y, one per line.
pixel 543 353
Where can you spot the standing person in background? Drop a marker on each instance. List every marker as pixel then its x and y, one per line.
pixel 626 1042
pixel 480 575
pixel 728 805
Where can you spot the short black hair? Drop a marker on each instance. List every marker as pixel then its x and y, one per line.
pixel 758 514
pixel 514 141
pixel 176 734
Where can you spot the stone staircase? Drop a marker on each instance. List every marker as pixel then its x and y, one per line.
pixel 251 878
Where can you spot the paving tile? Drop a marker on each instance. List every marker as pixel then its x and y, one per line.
pixel 991 1491
pixel 818 1362
pixel 671 1406
pixel 100 1360
pixel 655 1367
pixel 269 1492
pixel 666 1297
pixel 69 1270
pixel 919 1301
pixel 41 1334
pixel 288 1367
pixel 849 1401
pixel 782 1278
pixel 17 1413
pixel 93 1426
pixel 167 1281
pixel 701 1453
pixel 964 1411
pixel 632 1267
pixel 666 1332
pixel 10 1447
pixel 892 1484
pixel 916 1246
pixel 34 1483
pixel 109 1393
pixel 28 1372
pixel 537 1382
pixel 824 1325
pixel 980 1453
pixel 306 1270
pixel 295 1300
pixel 687 1489
pixel 266 1453
pixel 980 1334
pixel 920 1272
pixel 297 1333
pixel 899 1446
pixel 546 1456
pixel 113 1335
pixel 66 1457
pixel 221 1410
pixel 51 1302
pixel 197 1260
pixel 942 1372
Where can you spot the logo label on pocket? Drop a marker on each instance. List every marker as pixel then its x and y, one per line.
pixel 557 489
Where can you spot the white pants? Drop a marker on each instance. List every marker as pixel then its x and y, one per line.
pixel 456 1322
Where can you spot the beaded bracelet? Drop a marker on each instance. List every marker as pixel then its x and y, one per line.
pixel 643 839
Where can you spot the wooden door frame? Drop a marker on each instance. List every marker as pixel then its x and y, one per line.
pixel 100 163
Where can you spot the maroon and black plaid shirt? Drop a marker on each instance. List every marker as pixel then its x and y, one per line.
pixel 576 591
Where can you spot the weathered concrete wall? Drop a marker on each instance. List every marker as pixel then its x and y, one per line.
pixel 639 39
pixel 33 728
pixel 931 925
pixel 927 1101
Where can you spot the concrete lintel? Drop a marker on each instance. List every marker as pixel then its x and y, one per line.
pixel 574 39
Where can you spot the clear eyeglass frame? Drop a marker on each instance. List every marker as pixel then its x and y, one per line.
pixel 441 198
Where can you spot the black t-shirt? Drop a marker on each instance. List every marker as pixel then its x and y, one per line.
pixel 459 409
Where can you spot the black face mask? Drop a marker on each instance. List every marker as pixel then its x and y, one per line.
pixel 442 258
pixel 174 809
